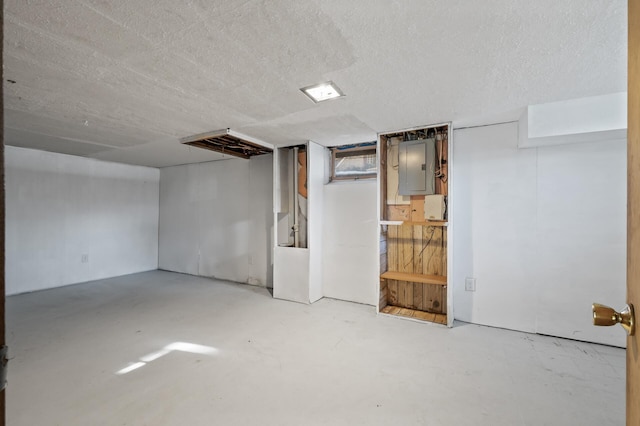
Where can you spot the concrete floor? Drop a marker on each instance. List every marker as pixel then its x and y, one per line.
pixel 109 353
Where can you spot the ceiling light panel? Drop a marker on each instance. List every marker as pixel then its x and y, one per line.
pixel 323 91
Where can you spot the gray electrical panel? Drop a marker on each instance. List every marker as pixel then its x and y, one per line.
pixel 416 171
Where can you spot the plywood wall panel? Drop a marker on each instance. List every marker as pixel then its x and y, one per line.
pixel 383 294
pixel 405 249
pixel 434 250
pixel 434 298
pixel 392 292
pixel 417 208
pixel 417 248
pixel 417 296
pixel 399 213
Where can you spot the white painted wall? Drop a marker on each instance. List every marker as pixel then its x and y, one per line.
pixel 291 274
pixel 261 220
pixel 316 227
pixel 216 219
pixel 541 229
pixel 494 192
pixel 290 264
pixel 591 119
pixel 582 238
pixel 351 243
pixel 298 272
pixel 61 207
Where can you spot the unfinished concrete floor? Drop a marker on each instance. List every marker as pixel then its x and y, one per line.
pixel 160 348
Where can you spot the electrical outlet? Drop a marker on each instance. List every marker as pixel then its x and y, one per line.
pixel 84 258
pixel 470 284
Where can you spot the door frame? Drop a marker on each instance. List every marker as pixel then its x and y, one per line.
pixel 2 253
pixel 381 205
pixel 633 209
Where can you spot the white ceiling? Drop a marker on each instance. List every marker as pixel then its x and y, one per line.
pixel 124 80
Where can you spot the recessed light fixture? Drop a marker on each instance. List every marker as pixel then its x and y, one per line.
pixel 322 92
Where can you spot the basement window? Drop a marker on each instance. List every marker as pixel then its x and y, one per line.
pixel 352 162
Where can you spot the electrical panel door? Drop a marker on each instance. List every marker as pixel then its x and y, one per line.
pixel 417 161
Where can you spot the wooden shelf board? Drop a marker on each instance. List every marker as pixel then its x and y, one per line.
pixel 415 278
pixel 415 314
pixel 409 223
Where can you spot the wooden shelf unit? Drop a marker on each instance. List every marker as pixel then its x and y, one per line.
pixel 415 278
pixel 409 223
pixel 414 313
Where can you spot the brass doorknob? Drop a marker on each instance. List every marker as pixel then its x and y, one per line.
pixel 605 316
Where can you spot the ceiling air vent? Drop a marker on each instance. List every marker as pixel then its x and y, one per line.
pixel 228 142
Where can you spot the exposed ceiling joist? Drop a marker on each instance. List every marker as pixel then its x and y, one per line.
pixel 227 141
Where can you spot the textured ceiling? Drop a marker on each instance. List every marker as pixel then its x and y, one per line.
pixel 124 80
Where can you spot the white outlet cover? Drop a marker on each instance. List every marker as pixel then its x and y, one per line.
pixel 470 284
